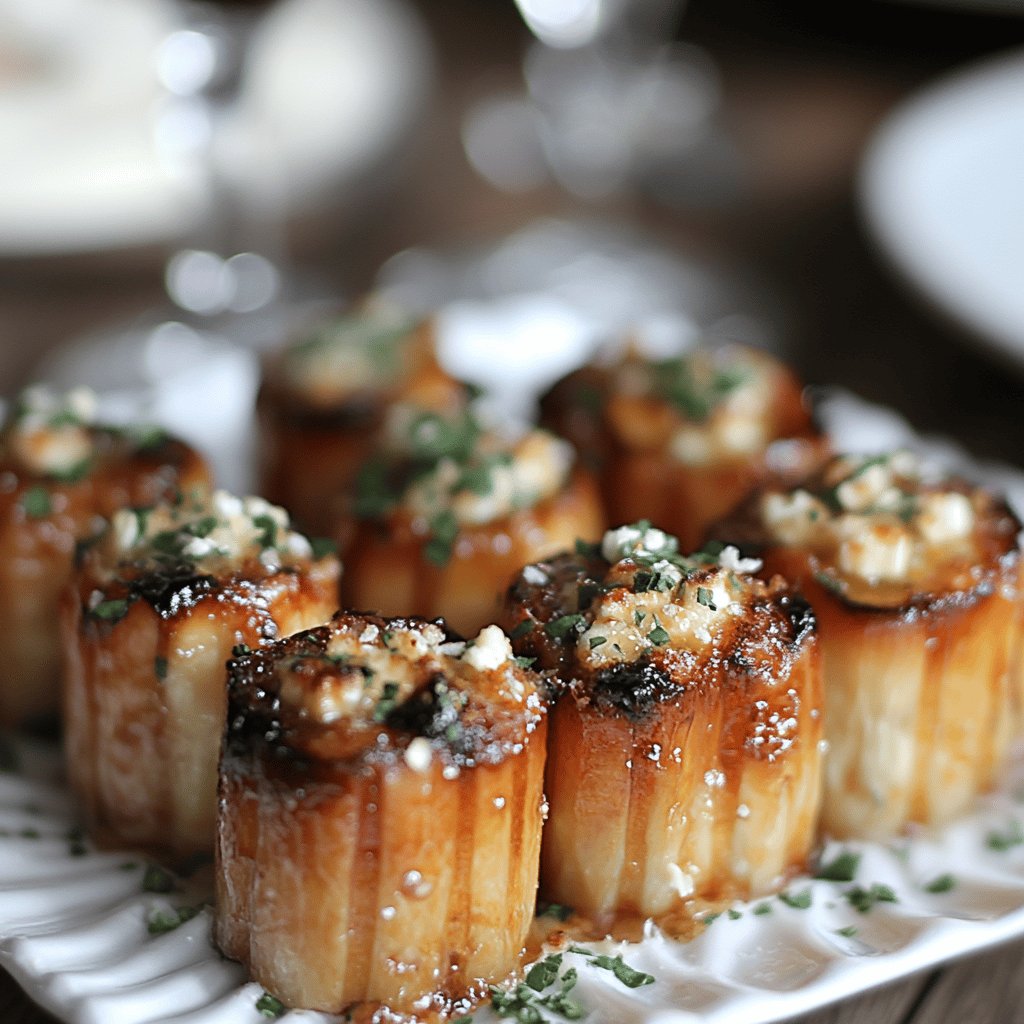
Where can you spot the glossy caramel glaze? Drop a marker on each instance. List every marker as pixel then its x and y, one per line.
pixel 923 667
pixel 312 442
pixel 661 449
pixel 145 646
pixel 686 766
pixel 381 807
pixel 41 521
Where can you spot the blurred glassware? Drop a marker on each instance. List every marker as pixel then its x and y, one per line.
pixel 332 91
pixel 612 104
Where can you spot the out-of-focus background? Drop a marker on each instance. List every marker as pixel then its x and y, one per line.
pixel 839 181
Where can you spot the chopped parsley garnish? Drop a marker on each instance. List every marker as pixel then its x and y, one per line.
pixel 629 976
pixel 659 635
pixel 444 528
pixel 694 395
pixel 322 546
pixel 763 908
pixel 270 1006
pixel 587 550
pixel 638 617
pixel 523 662
pixel 848 932
pixel 941 884
pixel 842 868
pixel 524 627
pixel 798 900
pixel 387 702
pixel 734 914
pixel 1012 836
pixel 240 649
pixel 544 972
pixel 561 627
pixel 268 530
pixel 161 921
pixel 111 611
pixel 157 880
pixel 705 596
pixel 556 910
pixel 160 667
pixel 374 494
pixel 36 502
pixel 863 900
pixel 596 641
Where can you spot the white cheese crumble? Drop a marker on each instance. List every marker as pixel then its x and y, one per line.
pixel 419 755
pixel 217 529
pixel 636 539
pixel 490 650
pixel 48 431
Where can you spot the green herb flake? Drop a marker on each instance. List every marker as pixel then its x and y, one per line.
pixel 268 530
pixel 322 547
pixel 157 880
pixel 941 884
pixel 658 636
pixel 160 667
pixel 73 474
pixel 387 702
pixel 561 627
pixel 159 922
pixel 842 868
pixel 544 973
pixel 36 502
pixel 734 914
pixel 523 662
pixel 524 627
pixel 798 900
pixel 863 900
pixel 587 550
pixel 270 1006
pixel 762 908
pixel 848 932
pixel 444 529
pixel 111 611
pixel 556 910
pixel 629 976
pixel 705 597
pixel 596 641
pixel 1011 836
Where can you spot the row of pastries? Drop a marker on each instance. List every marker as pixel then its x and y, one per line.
pixel 783 642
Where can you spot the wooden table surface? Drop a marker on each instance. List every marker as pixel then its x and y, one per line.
pixel 804 87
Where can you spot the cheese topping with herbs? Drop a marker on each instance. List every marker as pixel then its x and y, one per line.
pixel 361 351
pixel 714 404
pixel 213 533
pixel 652 596
pixel 877 520
pixel 373 671
pixel 48 432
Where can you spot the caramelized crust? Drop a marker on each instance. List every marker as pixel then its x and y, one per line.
pixel 42 519
pixel 682 441
pixel 380 815
pixel 145 646
pixel 686 764
pixel 314 435
pixel 922 629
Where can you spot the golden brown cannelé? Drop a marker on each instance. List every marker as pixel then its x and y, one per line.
pixel 684 758
pixel 61 475
pixel 915 580
pixel 324 398
pixel 681 441
pixel 381 808
pixel 148 623
pixel 448 512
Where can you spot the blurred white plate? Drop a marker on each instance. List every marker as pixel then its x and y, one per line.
pixel 73 921
pixel 942 186
pixel 334 86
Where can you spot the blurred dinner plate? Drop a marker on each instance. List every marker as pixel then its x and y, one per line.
pixel 332 87
pixel 942 187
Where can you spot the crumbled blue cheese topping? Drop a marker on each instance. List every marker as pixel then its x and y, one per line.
pixel 47 431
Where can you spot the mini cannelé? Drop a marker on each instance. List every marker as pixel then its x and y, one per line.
pixel 448 512
pixel 683 756
pixel 61 475
pixel 915 581
pixel 149 621
pixel 682 441
pixel 324 398
pixel 380 814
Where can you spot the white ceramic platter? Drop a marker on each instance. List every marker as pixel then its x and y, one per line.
pixel 74 923
pixel 941 190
